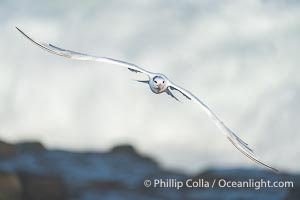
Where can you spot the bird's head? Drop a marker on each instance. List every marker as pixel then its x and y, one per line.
pixel 159 82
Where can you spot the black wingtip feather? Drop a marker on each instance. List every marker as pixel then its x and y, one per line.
pixel 252 158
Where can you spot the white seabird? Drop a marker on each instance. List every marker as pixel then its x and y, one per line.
pixel 158 83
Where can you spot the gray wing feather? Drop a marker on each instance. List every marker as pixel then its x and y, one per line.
pixel 171 94
pixel 80 56
pixel 230 135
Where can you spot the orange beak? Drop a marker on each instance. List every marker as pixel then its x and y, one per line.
pixel 160 86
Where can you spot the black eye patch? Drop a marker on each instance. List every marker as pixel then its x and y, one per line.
pixel 154 79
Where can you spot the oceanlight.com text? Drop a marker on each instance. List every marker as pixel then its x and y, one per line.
pixel 221 183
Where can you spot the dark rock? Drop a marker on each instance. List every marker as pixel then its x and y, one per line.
pixel 30 146
pixel 130 150
pixel 10 187
pixel 7 150
pixel 294 192
pixel 106 185
pixel 37 187
pixel 126 148
pixel 118 174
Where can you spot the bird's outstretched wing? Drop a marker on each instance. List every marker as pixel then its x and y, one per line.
pixel 233 138
pixel 80 56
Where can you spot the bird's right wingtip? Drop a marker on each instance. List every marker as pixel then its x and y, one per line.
pixel 24 34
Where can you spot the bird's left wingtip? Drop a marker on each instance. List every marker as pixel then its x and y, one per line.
pixel 275 170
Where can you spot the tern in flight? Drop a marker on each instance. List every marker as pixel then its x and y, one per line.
pixel 158 84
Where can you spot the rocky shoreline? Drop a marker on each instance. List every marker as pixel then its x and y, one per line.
pixel 29 171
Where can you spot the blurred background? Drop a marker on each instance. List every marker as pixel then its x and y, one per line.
pixel 240 57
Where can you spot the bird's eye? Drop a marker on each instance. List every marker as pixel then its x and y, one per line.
pixel 155 81
pixel 163 81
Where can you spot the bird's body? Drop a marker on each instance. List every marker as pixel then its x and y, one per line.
pixel 158 84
